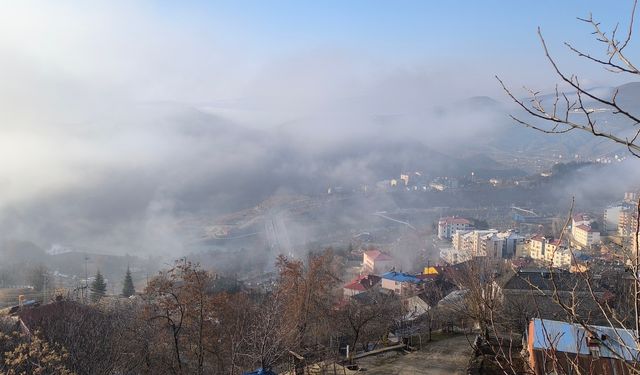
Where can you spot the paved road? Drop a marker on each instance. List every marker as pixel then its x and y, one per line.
pixel 443 357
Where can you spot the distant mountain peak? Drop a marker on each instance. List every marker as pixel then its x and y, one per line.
pixel 479 103
pixel 629 85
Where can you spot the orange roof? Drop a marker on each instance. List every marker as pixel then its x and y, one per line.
pixel 378 255
pixel 361 282
pixel 355 285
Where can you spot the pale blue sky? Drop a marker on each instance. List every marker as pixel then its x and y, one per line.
pixel 481 38
pixel 217 50
pixel 404 29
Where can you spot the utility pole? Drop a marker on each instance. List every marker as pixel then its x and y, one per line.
pixel 44 293
pixel 86 280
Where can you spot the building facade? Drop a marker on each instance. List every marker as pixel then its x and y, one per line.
pixel 585 236
pixel 447 226
pixel 402 284
pixel 375 261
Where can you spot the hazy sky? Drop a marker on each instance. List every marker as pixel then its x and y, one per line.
pixel 211 50
pixel 402 31
pixel 102 131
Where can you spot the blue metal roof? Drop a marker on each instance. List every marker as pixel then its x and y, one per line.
pixel 260 371
pixel 401 277
pixel 572 338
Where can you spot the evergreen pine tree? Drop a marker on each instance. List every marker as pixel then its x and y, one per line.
pixel 128 289
pixel 98 287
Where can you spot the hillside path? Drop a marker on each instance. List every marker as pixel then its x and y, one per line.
pixel 444 357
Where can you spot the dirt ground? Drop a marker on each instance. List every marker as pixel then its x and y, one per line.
pixel 444 357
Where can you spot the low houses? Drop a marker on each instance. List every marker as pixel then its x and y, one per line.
pixel 400 283
pixel 557 347
pixel 360 285
pixel 435 286
pixel 447 226
pixel 416 306
pixel 535 293
pixel 452 301
pixel 375 261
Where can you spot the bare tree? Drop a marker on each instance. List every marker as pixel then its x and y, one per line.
pixel 309 294
pixel 368 318
pixel 271 335
pixel 571 110
pixel 478 280
pixel 568 109
pixel 177 299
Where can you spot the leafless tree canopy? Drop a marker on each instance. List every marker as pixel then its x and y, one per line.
pixel 568 110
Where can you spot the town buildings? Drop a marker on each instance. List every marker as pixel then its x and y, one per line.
pixel 444 183
pixel 459 241
pixel 631 197
pixel 512 241
pixel 447 226
pixel 621 221
pixel 583 232
pixel 471 241
pixel 552 252
pixel 581 219
pixel 490 243
pixel 375 261
pixel 536 247
pixel 402 284
pixel 585 236
pixel 612 216
pixel 360 284
pixel 627 221
pixel 452 255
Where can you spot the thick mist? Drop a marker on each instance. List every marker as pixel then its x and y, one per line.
pixel 119 131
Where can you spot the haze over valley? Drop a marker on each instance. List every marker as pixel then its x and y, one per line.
pixel 272 171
